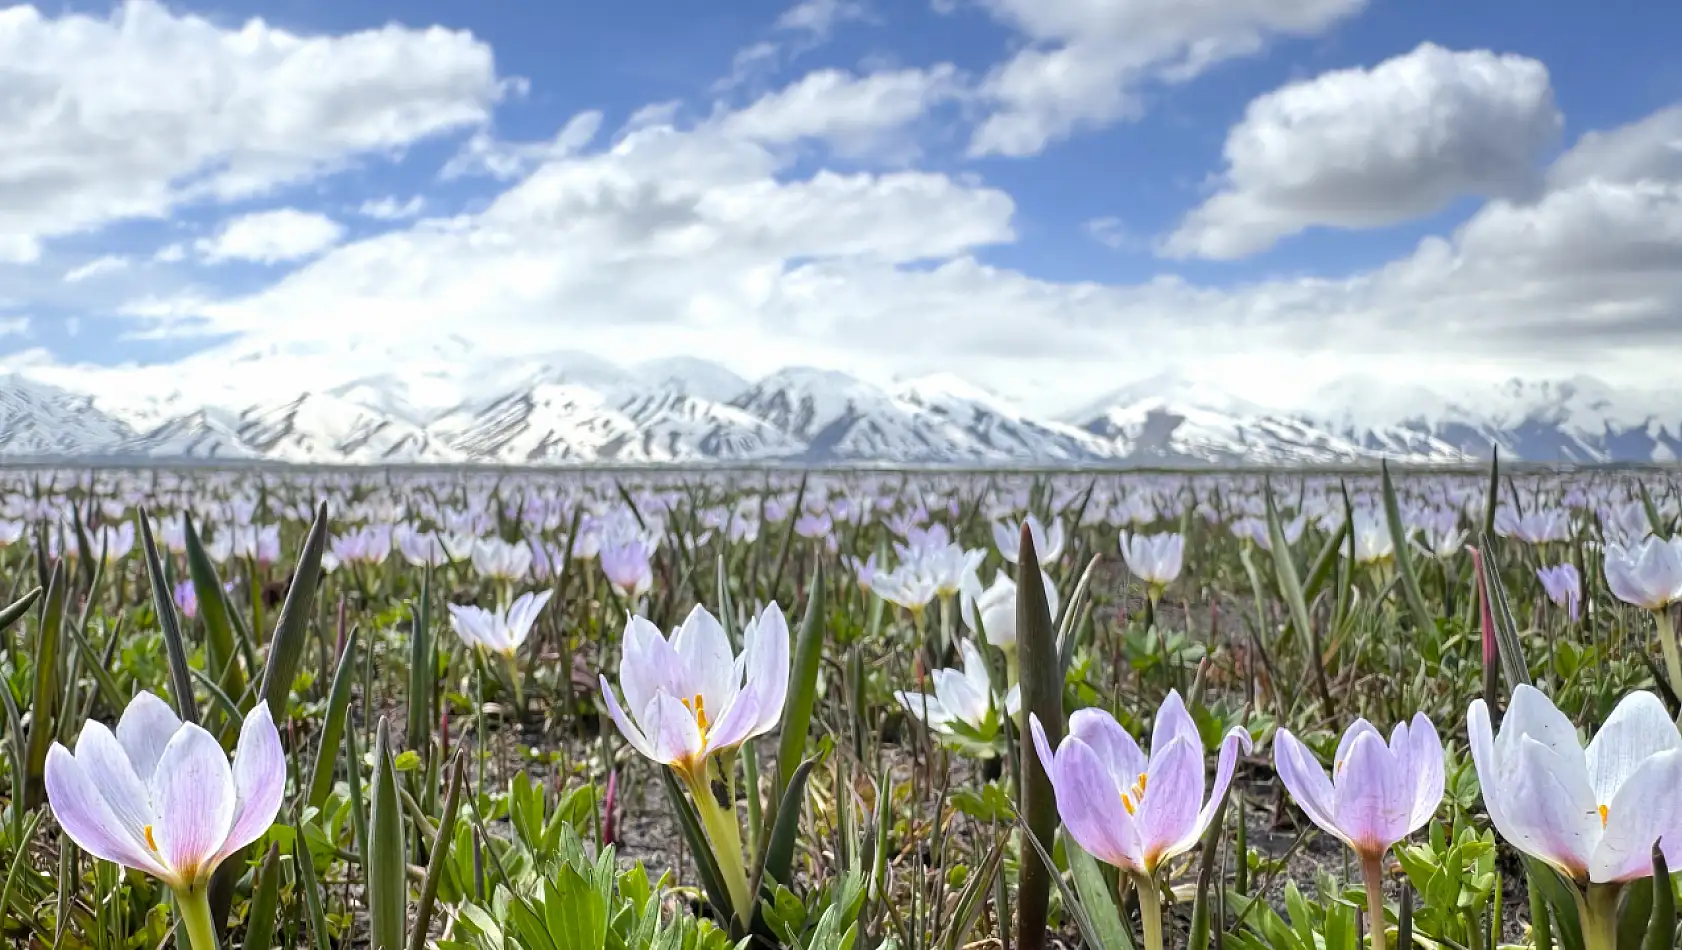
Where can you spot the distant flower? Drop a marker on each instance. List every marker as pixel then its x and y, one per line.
pixel 498 631
pixel 629 568
pixel 1155 559
pixel 992 612
pixel 1563 586
pixel 1048 543
pixel 1647 574
pixel 1373 542
pixel 810 525
pixel 962 698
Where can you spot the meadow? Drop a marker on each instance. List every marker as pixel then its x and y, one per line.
pixel 839 710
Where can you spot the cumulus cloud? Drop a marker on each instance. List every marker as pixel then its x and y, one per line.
pixel 855 113
pixel 391 209
pixel 1361 148
pixel 108 264
pixel 1085 62
pixel 271 237
pixel 132 114
pixel 818 18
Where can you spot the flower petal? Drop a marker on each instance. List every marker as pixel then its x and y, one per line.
pixel 1424 762
pixel 1545 817
pixel 1638 729
pixel 104 762
pixel 627 728
pixel 768 665
pixel 259 779
pixel 1114 746
pixel 1644 811
pixel 926 708
pixel 1173 797
pixel 1237 739
pixel 1091 808
pixel 1172 722
pixel 1307 782
pixel 647 665
pixel 145 730
pixel 1374 801
pixel 673 732
pixel 193 794
pixel 708 660
pixel 84 815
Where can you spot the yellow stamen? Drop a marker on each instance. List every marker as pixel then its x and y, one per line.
pixel 153 843
pixel 698 706
pixel 1604 811
pixel 1127 803
pixel 1133 797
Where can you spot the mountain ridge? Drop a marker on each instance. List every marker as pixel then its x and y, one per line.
pixel 572 409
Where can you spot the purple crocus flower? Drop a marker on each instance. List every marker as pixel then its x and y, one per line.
pixel 628 567
pixel 1129 809
pixel 690 696
pixel 187 599
pixel 1563 586
pixel 1377 794
pixel 159 795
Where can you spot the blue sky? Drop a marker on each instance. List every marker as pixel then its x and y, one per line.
pixel 1404 220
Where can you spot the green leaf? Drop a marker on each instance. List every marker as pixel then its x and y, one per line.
pixel 779 845
pixel 43 708
pixel 387 871
pixel 1041 675
pixel 333 724
pixel 286 647
pixel 1661 927
pixel 1404 558
pixel 163 604
pixel 440 855
pixel 213 611
pixel 802 686
pixel 265 899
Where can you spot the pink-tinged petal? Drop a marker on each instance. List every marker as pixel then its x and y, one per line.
pixel 1173 797
pixel 1173 722
pixel 1424 756
pixel 105 762
pixel 1307 782
pixel 1114 747
pixel 193 794
pixel 1645 810
pixel 259 779
pixel 1345 743
pixel 1484 760
pixel 1638 729
pixel 145 730
pixel 1092 809
pixel 705 653
pixel 627 728
pixel 1042 748
pixel 768 666
pixel 648 666
pixel 1533 714
pixel 926 708
pixel 1546 819
pixel 673 732
pixel 83 814
pixel 1374 800
pixel 1236 740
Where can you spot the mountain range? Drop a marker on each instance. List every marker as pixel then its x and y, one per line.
pixel 575 409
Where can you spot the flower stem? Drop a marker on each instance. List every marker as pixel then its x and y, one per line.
pixel 1667 643
pixel 193 907
pixel 725 833
pixel 1150 910
pixel 1372 876
pixel 1598 912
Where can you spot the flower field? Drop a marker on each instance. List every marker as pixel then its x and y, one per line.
pixel 702 710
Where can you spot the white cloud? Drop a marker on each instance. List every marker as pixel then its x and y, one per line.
pixel 390 209
pixel 1361 148
pixel 1113 233
pixel 271 237
pixel 483 154
pixel 1086 60
pixel 818 18
pixel 171 254
pixel 13 326
pixel 855 113
pixel 99 266
pixel 1645 150
pixel 130 115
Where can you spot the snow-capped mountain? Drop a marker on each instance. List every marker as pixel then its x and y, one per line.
pixel 451 406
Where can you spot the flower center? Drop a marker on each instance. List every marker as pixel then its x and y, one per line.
pixel 698 706
pixel 1605 812
pixel 1135 796
pixel 152 842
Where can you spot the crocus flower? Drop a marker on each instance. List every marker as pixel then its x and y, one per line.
pixel 1372 538
pixel 1647 574
pixel 1048 542
pixel 498 631
pixel 1155 559
pixel 1563 587
pixel 159 796
pixel 992 612
pixel 628 567
pixel 962 698
pixel 1594 814
pixel 690 696
pixel 1129 809
pixel 1377 794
